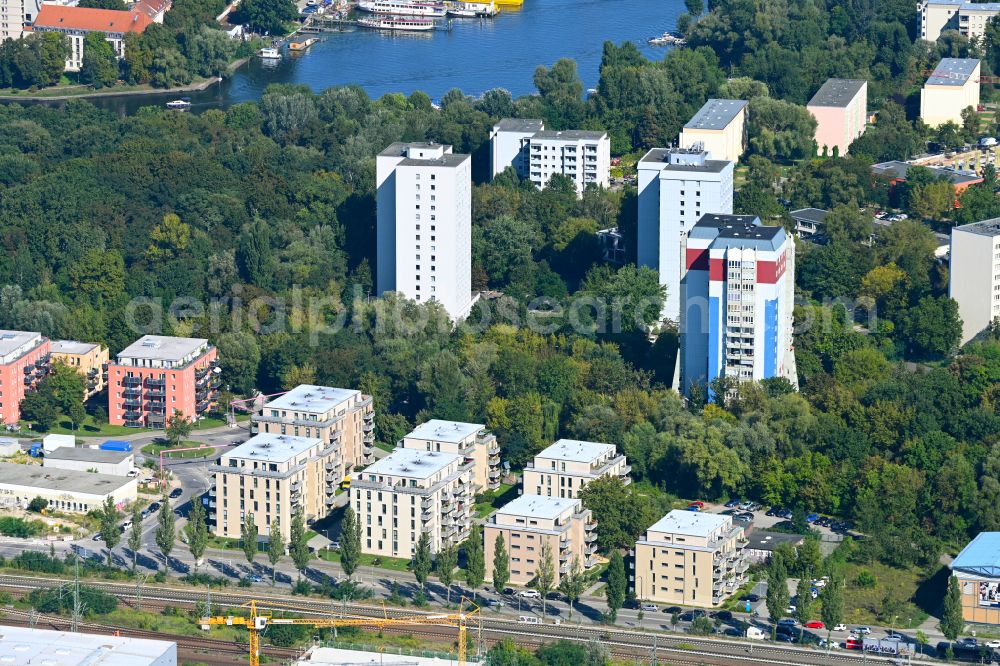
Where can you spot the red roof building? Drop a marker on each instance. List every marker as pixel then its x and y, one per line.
pixel 77 22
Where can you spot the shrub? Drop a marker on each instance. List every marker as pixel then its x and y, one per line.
pixel 866 579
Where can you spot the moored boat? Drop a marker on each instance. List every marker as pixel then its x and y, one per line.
pixel 270 53
pixel 179 104
pixel 405 23
pixel 667 38
pixel 402 7
pixel 462 9
pixel 303 45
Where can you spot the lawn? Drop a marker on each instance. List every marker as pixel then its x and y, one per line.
pixel 491 500
pixel 223 543
pixel 891 595
pixel 158 447
pixel 392 563
pixel 88 428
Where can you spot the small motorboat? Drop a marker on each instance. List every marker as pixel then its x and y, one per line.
pixel 179 104
pixel 270 53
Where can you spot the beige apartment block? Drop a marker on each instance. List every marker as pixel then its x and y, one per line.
pixel 974 276
pixel 409 492
pixel 531 521
pixel 472 441
pixel 690 558
pixel 272 476
pixel 952 88
pixel 89 359
pixel 720 127
pixel 343 418
pixel 564 468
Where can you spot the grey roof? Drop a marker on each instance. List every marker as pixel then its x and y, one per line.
pixel 412 463
pixel 446 160
pixel 71 347
pixel 689 523
pixel 23 645
pixel 837 92
pixel 272 447
pixel 537 506
pixel 520 125
pixel 11 340
pixel 980 6
pixel 67 480
pixel 437 430
pixel 570 135
pixel 85 454
pixel 311 399
pixel 162 347
pixel 743 231
pixel 814 215
pixel 574 450
pixel 981 557
pixel 765 540
pixel 716 114
pixel 660 157
pixel 953 71
pixel 898 170
pixel 398 148
pixel 983 228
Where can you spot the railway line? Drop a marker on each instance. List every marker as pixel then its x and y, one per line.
pixel 627 644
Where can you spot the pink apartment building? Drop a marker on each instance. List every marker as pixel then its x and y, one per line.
pixel 24 359
pixel 156 375
pixel 840 107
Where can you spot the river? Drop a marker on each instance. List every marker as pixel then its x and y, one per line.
pixel 474 56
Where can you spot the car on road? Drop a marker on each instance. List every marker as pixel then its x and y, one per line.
pixel 815 624
pixel 529 594
pixel 895 634
pixel 863 631
pixel 175 493
pixel 787 622
pixel 995 645
pixel 833 644
pixel 840 627
pixel 690 616
pixel 154 507
pixel 649 608
pixel 670 610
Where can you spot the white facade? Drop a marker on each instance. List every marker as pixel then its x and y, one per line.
pixel 952 88
pixel 84 459
pixel 967 17
pixel 24 645
pixel 564 468
pixel 68 491
pixel 15 15
pixel 677 187
pixel 424 232
pixel 974 278
pixel 477 445
pixel 537 154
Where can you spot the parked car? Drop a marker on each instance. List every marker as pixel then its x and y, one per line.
pixel 732 503
pixel 334 545
pixel 693 508
pixel 895 634
pixel 723 615
pixel 154 507
pixel 752 598
pixel 812 517
pixel 649 608
pixel 254 578
pixel 815 624
pixel 773 511
pixel 175 493
pixel 819 582
pixel 995 645
pixel 784 638
pixel 840 627
pixel 494 603
pixel 697 503
pixel 529 594
pixel 863 631
pixel 787 622
pixel 746 505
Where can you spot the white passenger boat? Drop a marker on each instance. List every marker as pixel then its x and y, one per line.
pixel 270 54
pixel 405 23
pixel 402 7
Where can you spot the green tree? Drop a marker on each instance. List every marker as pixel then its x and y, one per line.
pixel 445 563
pixel 422 559
pixel 545 577
pixel 350 542
pixel 178 428
pixel 617 585
pixel 501 564
pixel 248 537
pixel 932 328
pixel 169 239
pixel 135 535
pixel 952 622
pixel 275 546
pixel 624 512
pixel 110 531
pixel 832 611
pixel 239 360
pixel 694 7
pixel 475 559
pixel 297 547
pixel 803 601
pixel 116 5
pixel 254 254
pixel 38 407
pixel 777 592
pixel 573 584
pixel 100 66
pixel 780 130
pixel 267 17
pixel 196 531
pixel 165 530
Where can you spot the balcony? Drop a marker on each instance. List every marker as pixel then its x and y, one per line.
pixel 156 420
pixel 590 549
pixel 564 556
pixel 590 537
pixel 368 439
pixel 132 381
pixel 156 393
pixel 133 403
pixel 331 478
pixel 329 501
pixel 156 407
pixel 202 406
pixel 132 392
pixel 129 423
pixel 426 503
pixel 151 382
pixel 494 448
pixel 132 415
pixel 590 525
pixel 199 373
pixel 564 568
pixel 367 426
pixel 426 515
pixel 28 369
pixel 494 473
pixel 296 486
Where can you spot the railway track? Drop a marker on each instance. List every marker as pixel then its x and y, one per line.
pixel 673 648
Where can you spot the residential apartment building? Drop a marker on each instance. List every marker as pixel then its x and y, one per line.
pixel 89 359
pixel 77 22
pixel 738 301
pixel 16 17
pixel 974 275
pixel 424 229
pixel 24 359
pixel 565 467
pixel 528 523
pixel 840 107
pixel 272 476
pixel 477 446
pixel 677 187
pixel 720 128
pixel 967 17
pixel 410 492
pixel 342 418
pixel 952 88
pixel 158 375
pixel 537 154
pixel 690 558
pixel 67 490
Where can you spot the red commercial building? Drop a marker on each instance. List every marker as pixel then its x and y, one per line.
pixel 158 375
pixel 24 359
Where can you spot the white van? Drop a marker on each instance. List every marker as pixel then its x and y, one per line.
pixel 528 619
pixel 987 142
pixel 755 633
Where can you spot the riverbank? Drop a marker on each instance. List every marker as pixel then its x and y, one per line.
pixel 60 94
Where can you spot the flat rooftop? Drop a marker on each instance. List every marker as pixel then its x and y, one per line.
pixel 570 135
pixel 23 645
pixel 272 447
pixel 538 506
pixel 163 348
pixel 574 450
pixel 67 480
pixel 689 523
pixel 520 125
pixel 989 228
pixel 814 215
pixel 311 399
pixel 897 170
pixel 764 540
pixel 324 656
pixel 437 430
pixel 84 454
pixel 837 92
pixel 953 72
pixel 412 463
pixel 446 160
pixel 71 347
pixel 659 158
pixel 10 341
pixel 981 557
pixel 716 114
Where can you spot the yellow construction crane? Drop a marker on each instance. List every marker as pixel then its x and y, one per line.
pixel 257 621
